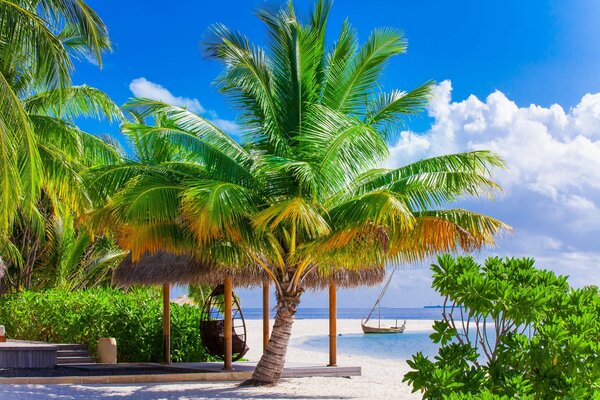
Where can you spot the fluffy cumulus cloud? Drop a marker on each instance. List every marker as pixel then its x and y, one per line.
pixel 228 126
pixel 142 87
pixel 552 184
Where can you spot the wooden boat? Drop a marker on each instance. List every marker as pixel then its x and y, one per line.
pixel 381 329
pixel 391 329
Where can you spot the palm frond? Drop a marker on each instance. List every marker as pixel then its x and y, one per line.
pixel 456 174
pixel 74 102
pixel 147 199
pixel 440 231
pixel 340 147
pixel 82 22
pixel 31 37
pixel 378 208
pixel 293 212
pixel 190 123
pixel 19 157
pixel 393 106
pixel 217 210
pixel 364 70
pixel 219 160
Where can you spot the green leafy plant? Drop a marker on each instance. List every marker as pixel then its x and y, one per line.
pixel 509 329
pixel 133 318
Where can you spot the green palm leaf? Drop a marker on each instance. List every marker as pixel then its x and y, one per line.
pixel 74 102
pixel 365 69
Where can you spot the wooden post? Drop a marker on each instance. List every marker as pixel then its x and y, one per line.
pixel 265 315
pixel 227 342
pixel 332 324
pixel 167 323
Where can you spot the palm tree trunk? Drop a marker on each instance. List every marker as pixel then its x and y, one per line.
pixel 269 368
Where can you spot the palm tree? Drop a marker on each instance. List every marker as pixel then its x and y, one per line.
pixel 306 190
pixel 64 151
pixel 42 151
pixel 38 40
pixel 72 258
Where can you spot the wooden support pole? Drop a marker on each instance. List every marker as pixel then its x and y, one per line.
pixel 265 315
pixel 332 324
pixel 167 323
pixel 227 342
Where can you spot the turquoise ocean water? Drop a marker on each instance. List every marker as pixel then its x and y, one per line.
pixel 355 313
pixel 399 346
pixel 393 346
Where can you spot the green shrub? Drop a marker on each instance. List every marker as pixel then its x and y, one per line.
pixel 509 330
pixel 134 319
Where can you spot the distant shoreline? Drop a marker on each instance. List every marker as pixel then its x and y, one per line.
pixel 421 313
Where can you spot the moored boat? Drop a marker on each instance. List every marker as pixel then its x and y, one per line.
pixel 391 329
pixel 381 329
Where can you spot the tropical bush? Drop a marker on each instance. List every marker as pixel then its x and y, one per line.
pixel 133 318
pixel 509 330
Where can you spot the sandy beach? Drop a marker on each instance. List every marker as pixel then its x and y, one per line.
pixel 381 378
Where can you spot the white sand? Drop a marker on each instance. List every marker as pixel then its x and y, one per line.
pixel 381 378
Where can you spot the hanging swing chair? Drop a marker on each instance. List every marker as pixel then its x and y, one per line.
pixel 212 325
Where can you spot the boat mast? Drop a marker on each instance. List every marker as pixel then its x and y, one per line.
pixel 378 302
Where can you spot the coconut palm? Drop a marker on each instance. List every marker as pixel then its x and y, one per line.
pixel 305 191
pixel 38 40
pixel 42 150
pixel 64 151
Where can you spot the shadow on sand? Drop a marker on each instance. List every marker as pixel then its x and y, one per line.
pixel 167 391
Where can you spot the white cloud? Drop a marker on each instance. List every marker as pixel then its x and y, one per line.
pixel 228 126
pixel 141 87
pixel 587 115
pixel 579 203
pixel 552 185
pixel 547 149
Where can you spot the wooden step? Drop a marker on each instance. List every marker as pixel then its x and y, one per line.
pixel 73 353
pixel 75 360
pixel 63 346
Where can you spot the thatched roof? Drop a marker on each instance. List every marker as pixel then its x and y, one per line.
pixel 345 279
pixel 162 268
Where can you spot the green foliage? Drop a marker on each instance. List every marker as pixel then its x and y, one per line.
pixel 43 151
pixel 39 41
pixel 134 319
pixel 510 330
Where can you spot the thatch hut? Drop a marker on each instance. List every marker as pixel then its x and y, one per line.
pixel 166 269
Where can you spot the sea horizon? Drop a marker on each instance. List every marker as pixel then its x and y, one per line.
pixel 400 313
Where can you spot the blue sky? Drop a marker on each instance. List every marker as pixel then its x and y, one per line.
pixel 513 77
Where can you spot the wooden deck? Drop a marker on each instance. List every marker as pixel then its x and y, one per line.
pixel 24 354
pixel 27 355
pixel 291 370
pixel 201 372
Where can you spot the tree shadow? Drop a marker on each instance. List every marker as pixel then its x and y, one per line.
pixel 153 391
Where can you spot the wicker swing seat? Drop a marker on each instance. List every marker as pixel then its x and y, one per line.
pixel 212 326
